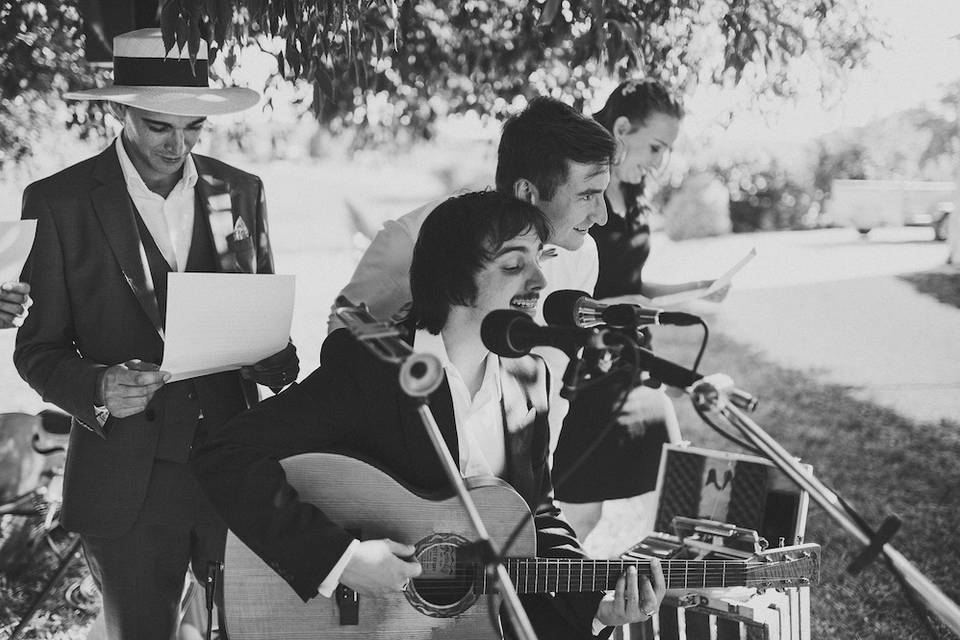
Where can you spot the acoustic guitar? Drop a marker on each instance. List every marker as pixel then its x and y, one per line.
pixel 450 599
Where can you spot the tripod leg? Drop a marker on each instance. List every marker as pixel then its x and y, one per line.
pixel 40 597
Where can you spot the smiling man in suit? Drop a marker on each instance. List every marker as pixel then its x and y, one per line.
pixel 110 229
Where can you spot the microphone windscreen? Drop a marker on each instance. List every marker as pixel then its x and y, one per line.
pixel 560 307
pixel 496 328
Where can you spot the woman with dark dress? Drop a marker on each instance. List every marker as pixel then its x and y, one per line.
pixel 645 120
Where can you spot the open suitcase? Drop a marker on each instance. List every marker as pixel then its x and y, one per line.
pixel 721 505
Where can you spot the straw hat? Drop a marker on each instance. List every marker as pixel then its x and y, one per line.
pixel 146 76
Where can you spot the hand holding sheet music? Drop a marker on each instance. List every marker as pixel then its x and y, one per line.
pixel 223 321
pixel 714 288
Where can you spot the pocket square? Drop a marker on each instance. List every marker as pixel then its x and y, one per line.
pixel 240 231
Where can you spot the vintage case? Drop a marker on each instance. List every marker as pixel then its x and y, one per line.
pixel 709 504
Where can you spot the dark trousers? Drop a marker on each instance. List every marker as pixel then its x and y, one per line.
pixel 141 573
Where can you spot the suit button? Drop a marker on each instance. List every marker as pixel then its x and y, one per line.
pixel 150 415
pixel 192 395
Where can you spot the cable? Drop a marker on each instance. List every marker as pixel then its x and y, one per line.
pixel 632 379
pixel 703 344
pixel 726 434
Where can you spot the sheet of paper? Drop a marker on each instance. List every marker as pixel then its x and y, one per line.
pixel 16 238
pixel 223 321
pixel 673 299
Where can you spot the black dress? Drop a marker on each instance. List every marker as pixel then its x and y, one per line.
pixel 625 461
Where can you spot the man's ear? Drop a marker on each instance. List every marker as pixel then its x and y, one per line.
pixel 525 190
pixel 621 126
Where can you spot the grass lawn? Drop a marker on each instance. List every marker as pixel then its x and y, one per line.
pixel 879 461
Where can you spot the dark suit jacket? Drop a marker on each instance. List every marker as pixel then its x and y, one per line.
pixel 352 403
pixel 95 307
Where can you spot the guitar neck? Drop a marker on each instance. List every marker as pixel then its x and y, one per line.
pixel 543 575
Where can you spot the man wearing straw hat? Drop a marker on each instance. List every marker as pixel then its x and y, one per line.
pixel 109 231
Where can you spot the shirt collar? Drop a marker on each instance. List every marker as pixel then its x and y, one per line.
pixel 432 344
pixel 135 183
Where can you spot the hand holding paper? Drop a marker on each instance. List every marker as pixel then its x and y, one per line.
pixel 16 239
pixel 276 371
pixel 223 321
pixel 714 290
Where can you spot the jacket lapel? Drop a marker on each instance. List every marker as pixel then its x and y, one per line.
pixel 421 453
pixel 520 403
pixel 215 206
pixel 216 202
pixel 113 207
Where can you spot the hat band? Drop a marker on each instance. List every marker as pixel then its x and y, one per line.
pixel 159 72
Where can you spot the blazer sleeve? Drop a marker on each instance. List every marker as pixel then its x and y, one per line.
pixel 46 353
pixel 382 278
pixel 239 469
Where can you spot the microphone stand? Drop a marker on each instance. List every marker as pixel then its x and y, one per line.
pixel 419 376
pixel 708 396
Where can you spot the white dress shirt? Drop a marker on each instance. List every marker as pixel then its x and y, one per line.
pixel 479 418
pixel 170 219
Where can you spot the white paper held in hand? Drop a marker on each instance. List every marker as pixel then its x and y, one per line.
pixel 223 321
pixel 674 299
pixel 16 238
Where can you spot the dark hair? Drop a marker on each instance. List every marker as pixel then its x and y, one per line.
pixel 638 100
pixel 537 143
pixel 456 240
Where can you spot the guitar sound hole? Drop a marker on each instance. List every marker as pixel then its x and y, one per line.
pixel 445 581
pixel 445 591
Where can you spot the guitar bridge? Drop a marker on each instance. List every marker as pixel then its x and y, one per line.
pixel 348 601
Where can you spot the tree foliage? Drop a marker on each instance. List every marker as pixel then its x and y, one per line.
pixel 400 65
pixel 943 125
pixel 421 59
pixel 39 59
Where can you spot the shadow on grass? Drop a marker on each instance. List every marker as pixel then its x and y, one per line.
pixel 942 284
pixel 876 459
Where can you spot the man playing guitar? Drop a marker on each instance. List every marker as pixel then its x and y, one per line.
pixel 475 253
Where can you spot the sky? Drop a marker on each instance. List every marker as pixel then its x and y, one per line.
pixel 920 58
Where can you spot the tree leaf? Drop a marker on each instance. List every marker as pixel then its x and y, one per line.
pixel 293 55
pixel 169 17
pixel 193 40
pixel 551 8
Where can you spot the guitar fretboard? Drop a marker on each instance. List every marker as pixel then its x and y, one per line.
pixel 542 575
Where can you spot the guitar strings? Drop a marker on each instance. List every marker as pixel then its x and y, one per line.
pixel 577 574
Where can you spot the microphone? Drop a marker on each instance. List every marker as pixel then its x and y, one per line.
pixel 572 308
pixel 675 375
pixel 420 373
pixel 511 334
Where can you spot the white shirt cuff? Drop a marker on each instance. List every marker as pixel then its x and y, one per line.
pixel 598 626
pixel 329 584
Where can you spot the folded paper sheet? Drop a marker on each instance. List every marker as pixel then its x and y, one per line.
pixel 222 321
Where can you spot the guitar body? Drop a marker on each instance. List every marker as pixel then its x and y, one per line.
pixel 359 497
